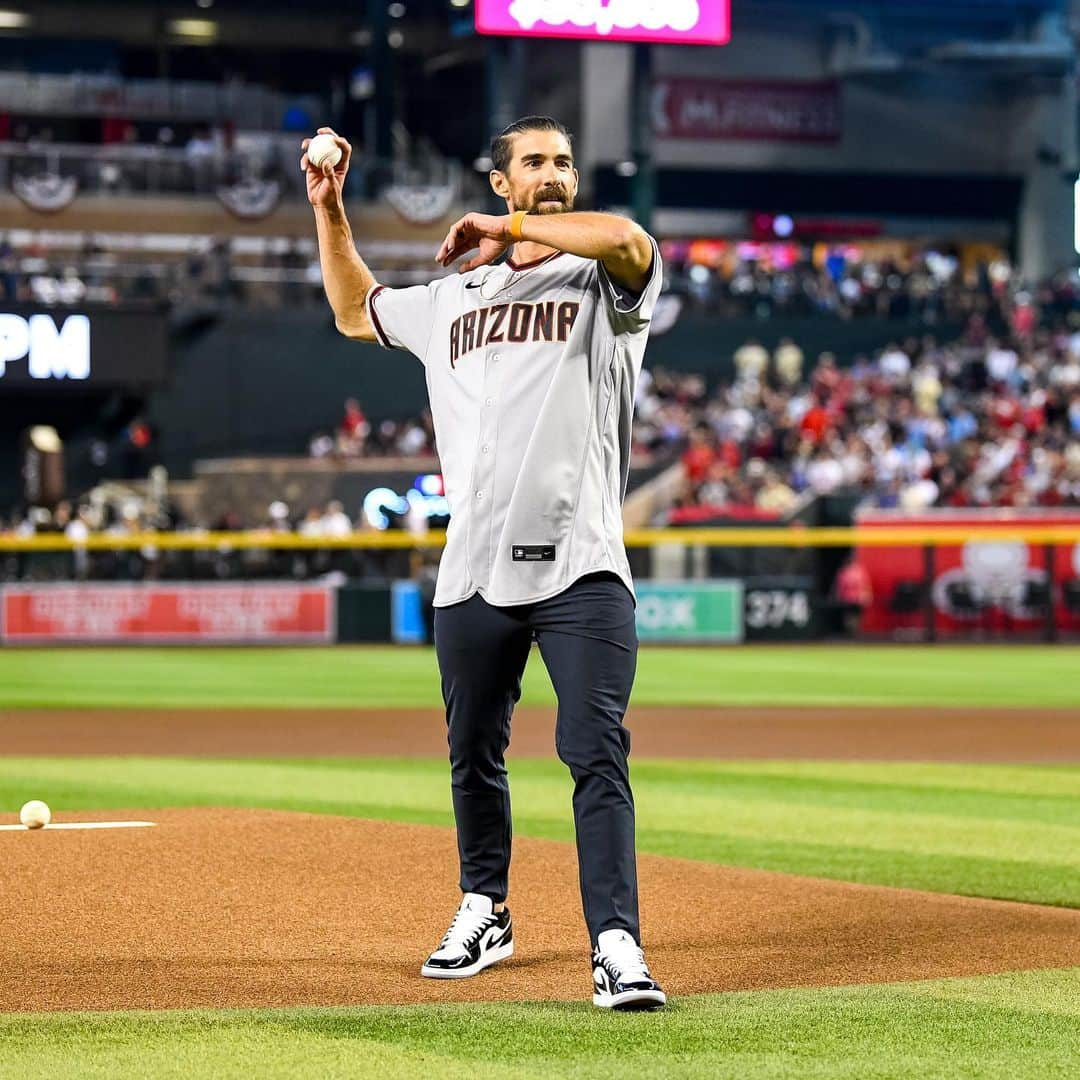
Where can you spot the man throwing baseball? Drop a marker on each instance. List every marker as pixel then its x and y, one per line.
pixel 531 363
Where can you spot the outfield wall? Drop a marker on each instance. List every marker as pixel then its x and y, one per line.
pixel 906 578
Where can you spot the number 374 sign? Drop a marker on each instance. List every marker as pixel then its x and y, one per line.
pixel 677 22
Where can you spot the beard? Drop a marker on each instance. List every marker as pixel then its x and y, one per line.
pixel 554 200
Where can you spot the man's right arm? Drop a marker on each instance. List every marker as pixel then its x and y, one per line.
pixel 346 278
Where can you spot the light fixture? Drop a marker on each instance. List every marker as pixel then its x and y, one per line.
pixel 783 225
pixel 204 3
pixel 626 168
pixel 13 20
pixel 460 3
pixel 396 10
pixel 202 29
pixel 395 39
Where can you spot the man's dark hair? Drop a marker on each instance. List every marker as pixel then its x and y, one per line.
pixel 503 143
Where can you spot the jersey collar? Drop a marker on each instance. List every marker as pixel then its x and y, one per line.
pixel 536 262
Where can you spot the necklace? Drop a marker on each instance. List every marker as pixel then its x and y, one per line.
pixel 512 278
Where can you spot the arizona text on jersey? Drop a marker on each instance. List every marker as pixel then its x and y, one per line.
pixel 531 371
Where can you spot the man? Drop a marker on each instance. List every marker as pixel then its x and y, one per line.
pixel 751 361
pixel 531 367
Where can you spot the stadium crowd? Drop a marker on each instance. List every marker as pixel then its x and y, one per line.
pixel 985 420
pixel 925 288
pixel 977 422
pixel 356 436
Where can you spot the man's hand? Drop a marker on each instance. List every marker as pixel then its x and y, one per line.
pixel 324 185
pixel 484 231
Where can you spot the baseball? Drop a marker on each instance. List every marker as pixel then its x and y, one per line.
pixel 322 150
pixel 35 814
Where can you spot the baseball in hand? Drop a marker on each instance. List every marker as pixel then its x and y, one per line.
pixel 323 150
pixel 35 814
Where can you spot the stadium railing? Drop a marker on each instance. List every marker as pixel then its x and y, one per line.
pixel 1043 561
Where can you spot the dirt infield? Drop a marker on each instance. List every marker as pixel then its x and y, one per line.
pixel 912 734
pixel 265 908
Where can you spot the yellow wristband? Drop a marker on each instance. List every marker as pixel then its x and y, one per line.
pixel 516 220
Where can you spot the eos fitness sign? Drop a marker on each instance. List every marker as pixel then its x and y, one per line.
pixel 677 22
pixel 52 351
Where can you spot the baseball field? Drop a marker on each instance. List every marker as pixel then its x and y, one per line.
pixel 855 862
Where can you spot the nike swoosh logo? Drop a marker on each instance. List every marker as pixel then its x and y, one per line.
pixel 473 284
pixel 494 936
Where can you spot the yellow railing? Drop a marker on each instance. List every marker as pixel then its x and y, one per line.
pixel 794 537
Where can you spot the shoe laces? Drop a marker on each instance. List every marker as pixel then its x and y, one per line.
pixel 626 957
pixel 465 927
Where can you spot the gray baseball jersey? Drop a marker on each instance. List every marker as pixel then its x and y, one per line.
pixel 531 370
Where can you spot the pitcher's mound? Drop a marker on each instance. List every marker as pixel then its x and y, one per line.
pixel 263 908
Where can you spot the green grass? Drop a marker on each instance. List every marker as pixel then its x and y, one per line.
pixel 997 831
pixel 1023 1026
pixel 392 676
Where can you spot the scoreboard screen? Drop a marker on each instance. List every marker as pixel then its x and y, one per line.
pixel 67 349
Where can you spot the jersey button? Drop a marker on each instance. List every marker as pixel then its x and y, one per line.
pixel 496 358
pixel 489 402
pixel 479 494
pixel 484 449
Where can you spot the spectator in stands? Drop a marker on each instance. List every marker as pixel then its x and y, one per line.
pixel 312 525
pixel 321 445
pixel 774 496
pixel 335 522
pixel 926 388
pixel 751 361
pixel 895 364
pixel 699 455
pixel 277 517
pixel 788 363
pixel 353 430
pixel 714 489
pixel 824 474
pixel 815 422
pixel 1001 362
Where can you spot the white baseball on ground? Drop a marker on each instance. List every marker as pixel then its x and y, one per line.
pixel 35 814
pixel 322 150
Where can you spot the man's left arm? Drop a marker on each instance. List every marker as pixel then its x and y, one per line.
pixel 623 246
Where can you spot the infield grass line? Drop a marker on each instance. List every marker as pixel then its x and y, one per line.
pixel 939 676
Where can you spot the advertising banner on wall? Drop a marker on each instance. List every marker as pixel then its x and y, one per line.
pixel 676 22
pixel 187 614
pixel 690 108
pixel 690 611
pixel 987 586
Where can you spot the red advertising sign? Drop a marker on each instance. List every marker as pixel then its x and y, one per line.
pixel 685 108
pixel 997 586
pixel 246 613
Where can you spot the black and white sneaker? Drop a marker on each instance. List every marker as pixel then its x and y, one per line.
pixel 620 975
pixel 478 937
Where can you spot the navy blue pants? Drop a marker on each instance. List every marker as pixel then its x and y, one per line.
pixel 588 643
